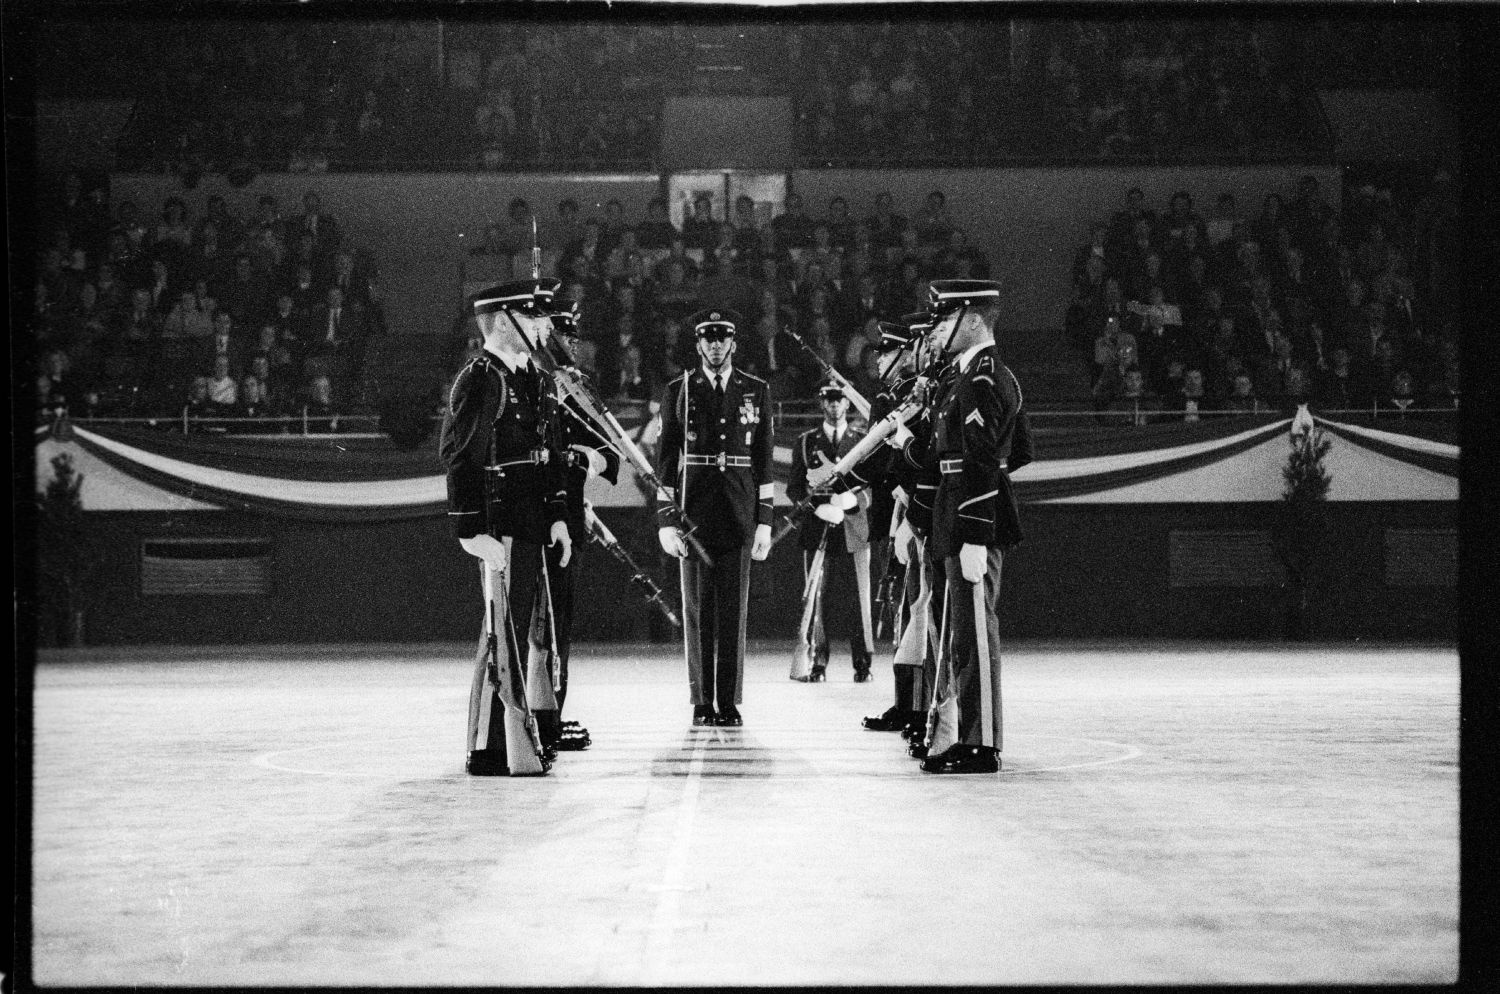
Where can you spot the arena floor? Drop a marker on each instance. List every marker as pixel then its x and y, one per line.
pixel 1167 814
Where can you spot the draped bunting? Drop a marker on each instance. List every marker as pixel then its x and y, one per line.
pixel 344 478
pixel 1440 457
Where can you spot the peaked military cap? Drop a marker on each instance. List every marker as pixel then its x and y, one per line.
pixel 524 296
pixel 830 390
pixel 565 318
pixel 893 335
pixel 715 322
pixel 947 296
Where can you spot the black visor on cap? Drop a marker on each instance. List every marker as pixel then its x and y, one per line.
pixel 831 391
pixel 946 296
pixel 522 296
pixel 713 324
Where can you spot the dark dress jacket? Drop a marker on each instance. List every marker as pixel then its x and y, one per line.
pixel 505 473
pixel 974 430
pixel 726 499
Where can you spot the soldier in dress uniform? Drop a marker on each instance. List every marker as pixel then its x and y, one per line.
pixel 507 494
pixel 715 464
pixel 584 453
pixel 841 526
pixel 889 468
pixel 979 434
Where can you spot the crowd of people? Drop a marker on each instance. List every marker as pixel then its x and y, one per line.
pixel 810 289
pixel 1298 303
pixel 195 310
pixel 245 96
pixel 1128 88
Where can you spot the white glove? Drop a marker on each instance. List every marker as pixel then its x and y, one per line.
pixel 973 560
pixel 671 542
pixel 596 460
pixel 560 534
pixel 845 501
pixel 830 513
pixel 898 438
pixel 902 543
pixel 761 548
pixel 486 547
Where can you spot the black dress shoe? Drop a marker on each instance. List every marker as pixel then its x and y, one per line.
pixel 960 758
pixel 485 763
pixel 861 675
pixel 893 719
pixel 574 739
pixel 703 714
pixel 729 716
pixel 818 675
pixel 917 750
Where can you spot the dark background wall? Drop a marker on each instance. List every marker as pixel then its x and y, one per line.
pixel 1085 571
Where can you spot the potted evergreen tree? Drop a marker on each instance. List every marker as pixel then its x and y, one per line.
pixel 67 559
pixel 1303 519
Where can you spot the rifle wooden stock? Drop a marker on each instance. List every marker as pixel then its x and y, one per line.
pixel 802 656
pixel 601 534
pixel 523 742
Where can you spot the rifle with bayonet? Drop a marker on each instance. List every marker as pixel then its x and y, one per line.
pixel 855 397
pixel 601 534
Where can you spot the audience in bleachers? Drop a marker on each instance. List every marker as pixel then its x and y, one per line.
pixel 139 320
pixel 1300 305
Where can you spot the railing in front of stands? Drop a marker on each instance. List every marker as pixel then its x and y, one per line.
pixel 306 423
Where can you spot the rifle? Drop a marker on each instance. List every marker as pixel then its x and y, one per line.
pixel 888 598
pixel 838 473
pixel 603 536
pixel 855 397
pixel 609 430
pixel 802 657
pixel 523 741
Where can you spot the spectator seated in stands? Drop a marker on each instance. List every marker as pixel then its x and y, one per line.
pixel 1242 395
pixel 1135 398
pixel 318 408
pixel 656 232
pixel 1114 352
pixel 223 389
pixel 196 404
pixel 1191 397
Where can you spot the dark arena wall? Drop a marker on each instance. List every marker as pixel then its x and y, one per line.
pixel 1093 571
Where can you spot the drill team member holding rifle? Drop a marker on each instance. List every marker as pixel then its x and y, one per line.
pixel 979 434
pixel 507 503
pixel 584 453
pixel 841 529
pixel 715 467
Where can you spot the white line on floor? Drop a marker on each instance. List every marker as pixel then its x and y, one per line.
pixel 665 919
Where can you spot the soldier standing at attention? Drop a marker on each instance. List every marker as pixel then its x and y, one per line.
pixel 506 487
pixel 978 435
pixel 716 465
pixel 842 527
pixel 584 454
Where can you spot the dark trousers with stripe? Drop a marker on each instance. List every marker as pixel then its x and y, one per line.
pixel 714 600
pixel 854 578
pixel 973 639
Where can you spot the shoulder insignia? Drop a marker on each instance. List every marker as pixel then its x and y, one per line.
pixel 750 376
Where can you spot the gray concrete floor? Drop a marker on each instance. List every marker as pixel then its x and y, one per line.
pixel 1166 815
